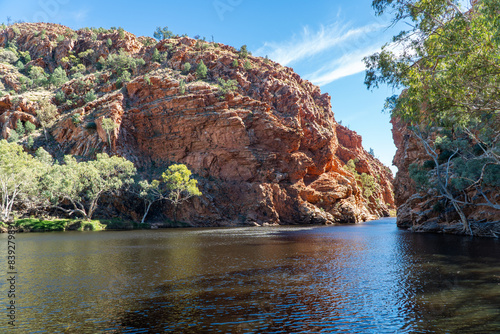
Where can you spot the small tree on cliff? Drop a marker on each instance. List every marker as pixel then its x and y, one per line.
pixel 46 115
pixel 109 126
pixel 180 185
pixel 201 70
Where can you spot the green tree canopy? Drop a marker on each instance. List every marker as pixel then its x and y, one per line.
pixel 163 33
pixel 448 65
pixel 19 173
pixel 180 185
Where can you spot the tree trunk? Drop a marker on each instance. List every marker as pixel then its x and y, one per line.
pixel 146 212
pixel 463 219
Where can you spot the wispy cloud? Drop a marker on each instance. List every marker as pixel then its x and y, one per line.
pixel 80 15
pixel 349 64
pixel 311 43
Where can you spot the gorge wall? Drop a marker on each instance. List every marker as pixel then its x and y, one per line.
pixel 268 152
pixel 425 211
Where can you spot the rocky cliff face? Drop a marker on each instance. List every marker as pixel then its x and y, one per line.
pixel 268 152
pixel 423 211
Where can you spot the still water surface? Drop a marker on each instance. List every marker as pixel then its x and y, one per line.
pixel 368 278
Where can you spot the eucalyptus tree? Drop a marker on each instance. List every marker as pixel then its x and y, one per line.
pixel 448 63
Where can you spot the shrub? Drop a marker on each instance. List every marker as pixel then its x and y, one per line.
pixel 76 119
pixel 58 77
pixel 109 42
pixel 60 38
pixel 235 63
pixel 90 96
pixel 122 62
pixel 186 68
pixel 247 66
pixel 25 55
pixel 91 126
pixel 121 33
pixel 182 87
pixel 201 70
pixel 8 57
pixel 30 142
pixel 156 55
pixel 30 127
pixel 20 128
pixel 419 175
pixel 243 51
pixel 162 33
pixel 60 97
pixel 227 86
pixel 20 66
pixel 13 137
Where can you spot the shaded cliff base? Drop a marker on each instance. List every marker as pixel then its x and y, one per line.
pixel 423 211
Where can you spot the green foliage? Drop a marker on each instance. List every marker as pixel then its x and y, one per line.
pixel 235 63
pixel 25 55
pixel 368 184
pixel 60 38
pixel 180 185
pixel 156 56
pixel 20 66
pixel 89 96
pixel 38 75
pixel 109 126
pixel 19 173
pixel 13 137
pixel 77 71
pixel 46 115
pixel 121 62
pixel 201 70
pixel 44 157
pixel 7 56
pixel 371 152
pixel 186 68
pixel 227 86
pixel 109 42
pixel 58 77
pixel 83 183
pixel 41 225
pixel 29 127
pixel 182 87
pixel 76 119
pixel 419 175
pixel 163 33
pixel 243 51
pixel 351 166
pixel 20 128
pixel 247 65
pixel 30 142
pixel 60 97
pixel 121 33
pixel 447 64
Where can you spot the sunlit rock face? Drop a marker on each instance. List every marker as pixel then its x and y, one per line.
pixel 268 152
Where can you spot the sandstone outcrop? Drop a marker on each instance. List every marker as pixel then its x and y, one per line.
pixel 424 211
pixel 269 152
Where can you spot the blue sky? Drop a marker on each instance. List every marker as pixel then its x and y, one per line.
pixel 323 41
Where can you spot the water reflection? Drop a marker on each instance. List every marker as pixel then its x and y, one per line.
pixel 369 278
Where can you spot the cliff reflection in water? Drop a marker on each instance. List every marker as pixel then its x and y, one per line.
pixel 368 278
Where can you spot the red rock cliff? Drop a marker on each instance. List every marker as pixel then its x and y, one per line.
pixel 269 152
